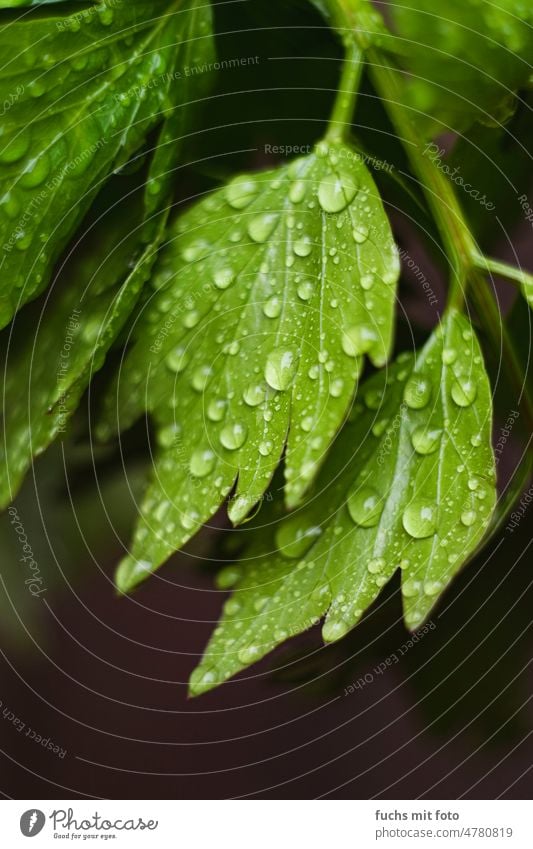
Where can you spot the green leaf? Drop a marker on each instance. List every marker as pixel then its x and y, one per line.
pixel 266 299
pixel 410 485
pixel 80 93
pixel 466 59
pixel 68 340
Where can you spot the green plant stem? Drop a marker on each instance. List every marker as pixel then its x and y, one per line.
pixel 343 109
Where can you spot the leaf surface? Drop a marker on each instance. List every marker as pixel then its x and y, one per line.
pixel 411 485
pixel 267 298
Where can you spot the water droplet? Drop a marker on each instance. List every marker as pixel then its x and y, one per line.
pixel 196 250
pixel 294 541
pixel 464 392
pixel 35 172
pixel 297 191
pixel 449 356
pixel 228 577
pixel 191 319
pixel 335 629
pixel 232 606
pixel 201 377
pixel 272 307
pixel 360 234
pixel 255 394
pixel 105 15
pixel 426 440
pixel 336 387
pixel 420 518
pixel 262 226
pixel 241 192
pixel 376 565
pixel 16 148
pixel 358 339
pixel 265 448
pixel 233 436
pixel 223 278
pixel 249 654
pixel 432 588
pixel 410 588
pixel 417 392
pixel 280 369
pixel 379 428
pixel 373 398
pixel 303 246
pixel 202 462
pixel 201 680
pixel 468 517
pixel 305 290
pixel 167 436
pixel 336 191
pixel 10 205
pixel 365 506
pixel 367 281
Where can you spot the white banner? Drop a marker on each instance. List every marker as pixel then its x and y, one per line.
pixel 264 824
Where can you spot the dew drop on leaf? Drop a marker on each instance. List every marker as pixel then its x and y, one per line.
pixel 293 542
pixel 262 226
pixel 35 172
pixel 167 435
pixel 336 191
pixel 360 234
pixel 417 392
pixel 305 290
pixel 216 409
pixel 241 192
pixel 249 654
pixel 223 278
pixel 302 247
pixel 15 149
pixel 376 565
pixel 468 517
pixel 464 392
pixel 432 588
pixel 335 629
pixel 254 394
pixel 202 462
pixel 200 378
pixel 449 356
pixel 357 340
pixel 297 191
pixel 272 307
